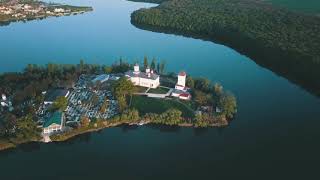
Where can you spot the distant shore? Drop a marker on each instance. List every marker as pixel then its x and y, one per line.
pixel 27 11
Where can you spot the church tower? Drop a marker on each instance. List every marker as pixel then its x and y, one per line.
pixel 136 69
pixel 181 81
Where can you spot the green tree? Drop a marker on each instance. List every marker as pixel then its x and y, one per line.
pixel 145 62
pixel 107 69
pixel 8 123
pixel 81 66
pixel 29 68
pixel 153 64
pixel 162 67
pixel 104 106
pixel 120 61
pixel 171 117
pixel 130 115
pixel 122 88
pixel 202 84
pixel 158 67
pixel 217 89
pixel 201 98
pixel 190 82
pixel 228 104
pixel 27 128
pixel 60 103
pixel 85 121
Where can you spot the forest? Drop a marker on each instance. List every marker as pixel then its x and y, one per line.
pixel 285 41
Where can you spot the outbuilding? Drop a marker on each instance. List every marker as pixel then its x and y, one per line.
pixel 54 124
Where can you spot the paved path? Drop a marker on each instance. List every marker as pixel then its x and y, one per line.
pixel 155 95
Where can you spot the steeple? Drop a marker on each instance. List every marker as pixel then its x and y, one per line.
pixel 136 69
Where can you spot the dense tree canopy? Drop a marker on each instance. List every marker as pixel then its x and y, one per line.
pixel 285 41
pixel 270 26
pixel 60 103
pixel 121 89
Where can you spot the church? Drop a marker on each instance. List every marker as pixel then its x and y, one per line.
pixel 147 79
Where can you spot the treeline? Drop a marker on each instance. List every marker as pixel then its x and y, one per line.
pixel 220 105
pixel 271 26
pixel 169 117
pixel 284 41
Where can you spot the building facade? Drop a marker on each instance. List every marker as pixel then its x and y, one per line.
pixel 147 79
pixel 54 124
pixel 181 91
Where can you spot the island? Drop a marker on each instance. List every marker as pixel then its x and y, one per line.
pixel 25 10
pixel 56 102
pixel 285 41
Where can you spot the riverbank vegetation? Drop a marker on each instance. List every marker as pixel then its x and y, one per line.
pixel 287 42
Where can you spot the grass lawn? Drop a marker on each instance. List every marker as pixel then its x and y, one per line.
pixel 152 105
pixel 159 90
pixel 139 89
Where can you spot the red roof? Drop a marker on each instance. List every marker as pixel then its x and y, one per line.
pixel 185 95
pixel 182 73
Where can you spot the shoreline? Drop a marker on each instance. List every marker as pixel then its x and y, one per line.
pixel 76 132
pixel 46 11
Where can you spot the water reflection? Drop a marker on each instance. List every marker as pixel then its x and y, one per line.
pixel 126 128
pixel 165 128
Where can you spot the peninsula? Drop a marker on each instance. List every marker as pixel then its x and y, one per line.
pixel 282 40
pixel 57 102
pixel 24 10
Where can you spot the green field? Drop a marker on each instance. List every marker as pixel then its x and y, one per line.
pixel 151 105
pixel 308 6
pixel 159 90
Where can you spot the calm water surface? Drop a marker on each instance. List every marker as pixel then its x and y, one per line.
pixel 275 134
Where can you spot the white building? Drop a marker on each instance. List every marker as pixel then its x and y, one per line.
pixel 3 104
pixel 147 79
pixel 4 97
pixel 181 83
pixel 181 91
pixel 58 10
pixel 54 124
pixel 27 6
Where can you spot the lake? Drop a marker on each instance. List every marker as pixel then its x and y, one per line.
pixel 274 135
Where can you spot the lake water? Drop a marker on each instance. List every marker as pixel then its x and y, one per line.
pixel 275 134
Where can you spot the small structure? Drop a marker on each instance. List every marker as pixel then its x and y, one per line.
pixel 53 94
pixel 3 104
pixel 181 91
pixel 185 96
pixel 147 79
pixel 54 124
pixel 58 10
pixel 101 78
pixel 4 97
